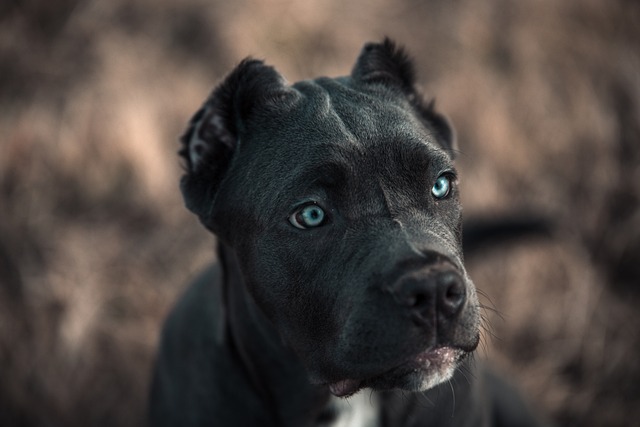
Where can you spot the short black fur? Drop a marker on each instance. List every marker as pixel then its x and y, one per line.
pixel 290 321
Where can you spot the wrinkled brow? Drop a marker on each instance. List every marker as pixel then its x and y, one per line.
pixel 330 175
pixel 335 169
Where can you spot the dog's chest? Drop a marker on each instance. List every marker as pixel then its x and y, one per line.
pixel 361 410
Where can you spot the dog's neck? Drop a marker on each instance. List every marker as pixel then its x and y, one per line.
pixel 275 372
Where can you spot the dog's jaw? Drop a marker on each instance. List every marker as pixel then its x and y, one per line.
pixel 420 373
pixel 436 366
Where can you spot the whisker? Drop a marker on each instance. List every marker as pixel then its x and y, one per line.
pixel 421 397
pixel 453 395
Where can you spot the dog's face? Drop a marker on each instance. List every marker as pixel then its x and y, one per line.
pixel 339 198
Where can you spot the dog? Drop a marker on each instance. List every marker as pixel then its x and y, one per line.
pixel 340 297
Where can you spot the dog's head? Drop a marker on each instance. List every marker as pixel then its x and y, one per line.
pixel 339 198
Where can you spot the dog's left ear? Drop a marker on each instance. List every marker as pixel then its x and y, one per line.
pixel 385 63
pixel 214 133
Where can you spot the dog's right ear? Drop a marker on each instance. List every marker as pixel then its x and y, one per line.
pixel 388 64
pixel 214 131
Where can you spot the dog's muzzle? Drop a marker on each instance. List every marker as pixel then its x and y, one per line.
pixel 431 295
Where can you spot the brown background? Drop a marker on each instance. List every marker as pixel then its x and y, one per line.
pixel 95 243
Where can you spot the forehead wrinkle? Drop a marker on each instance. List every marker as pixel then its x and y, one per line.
pixel 331 171
pixel 344 141
pixel 424 151
pixel 325 111
pixel 357 116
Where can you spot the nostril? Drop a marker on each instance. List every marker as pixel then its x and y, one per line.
pixel 418 300
pixel 415 299
pixel 420 303
pixel 452 293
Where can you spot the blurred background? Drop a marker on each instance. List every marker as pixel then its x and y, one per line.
pixel 95 244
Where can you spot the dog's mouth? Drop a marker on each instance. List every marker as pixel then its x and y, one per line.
pixel 420 372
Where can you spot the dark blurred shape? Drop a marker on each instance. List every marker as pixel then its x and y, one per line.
pixel 482 233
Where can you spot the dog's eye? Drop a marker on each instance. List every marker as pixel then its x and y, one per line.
pixel 442 187
pixel 308 216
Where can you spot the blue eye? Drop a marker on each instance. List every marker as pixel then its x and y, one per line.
pixel 442 187
pixel 308 216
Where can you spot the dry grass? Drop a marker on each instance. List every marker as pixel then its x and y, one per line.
pixel 95 244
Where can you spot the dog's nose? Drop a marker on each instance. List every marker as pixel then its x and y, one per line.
pixel 431 295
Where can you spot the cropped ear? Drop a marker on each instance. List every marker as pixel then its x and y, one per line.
pixel 213 133
pixel 386 63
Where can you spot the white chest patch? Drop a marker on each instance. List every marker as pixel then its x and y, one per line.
pixel 360 410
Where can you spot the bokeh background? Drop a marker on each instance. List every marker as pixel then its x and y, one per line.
pixel 95 243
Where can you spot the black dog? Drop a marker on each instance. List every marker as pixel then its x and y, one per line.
pixel 336 209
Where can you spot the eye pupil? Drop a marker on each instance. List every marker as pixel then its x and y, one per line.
pixel 307 217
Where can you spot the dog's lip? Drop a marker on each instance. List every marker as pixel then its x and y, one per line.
pixel 428 360
pixel 344 388
pixel 437 357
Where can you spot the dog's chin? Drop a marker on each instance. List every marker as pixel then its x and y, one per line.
pixel 421 372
